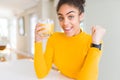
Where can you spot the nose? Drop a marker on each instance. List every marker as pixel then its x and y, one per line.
pixel 66 21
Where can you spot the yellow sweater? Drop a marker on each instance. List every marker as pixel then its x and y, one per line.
pixel 73 56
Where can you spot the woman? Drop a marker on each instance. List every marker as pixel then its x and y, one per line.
pixel 75 53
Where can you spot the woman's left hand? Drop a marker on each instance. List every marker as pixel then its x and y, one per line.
pixel 97 34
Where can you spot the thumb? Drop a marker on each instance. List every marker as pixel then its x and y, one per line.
pixel 93 29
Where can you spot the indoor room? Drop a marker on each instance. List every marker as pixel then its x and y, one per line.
pixel 18 20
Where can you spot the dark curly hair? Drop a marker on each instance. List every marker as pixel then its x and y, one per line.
pixel 76 3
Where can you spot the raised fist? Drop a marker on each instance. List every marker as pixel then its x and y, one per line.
pixel 97 34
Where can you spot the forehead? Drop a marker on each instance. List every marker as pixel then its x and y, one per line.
pixel 65 8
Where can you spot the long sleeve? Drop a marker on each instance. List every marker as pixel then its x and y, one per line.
pixel 73 56
pixel 43 61
pixel 89 70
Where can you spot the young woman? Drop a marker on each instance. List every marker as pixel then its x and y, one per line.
pixel 75 53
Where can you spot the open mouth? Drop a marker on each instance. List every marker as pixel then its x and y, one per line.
pixel 68 29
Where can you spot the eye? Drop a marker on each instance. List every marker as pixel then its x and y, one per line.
pixel 61 18
pixel 70 17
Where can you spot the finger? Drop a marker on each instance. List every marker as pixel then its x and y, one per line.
pixel 93 29
pixel 42 31
pixel 38 29
pixel 38 25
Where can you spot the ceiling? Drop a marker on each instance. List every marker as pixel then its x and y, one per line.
pixel 15 6
pixel 10 7
pixel 18 4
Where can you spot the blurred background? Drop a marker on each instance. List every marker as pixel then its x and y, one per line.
pixel 17 23
pixel 19 17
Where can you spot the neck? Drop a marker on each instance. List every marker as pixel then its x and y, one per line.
pixel 78 31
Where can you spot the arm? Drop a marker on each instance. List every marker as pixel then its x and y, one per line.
pixel 90 66
pixel 89 70
pixel 42 61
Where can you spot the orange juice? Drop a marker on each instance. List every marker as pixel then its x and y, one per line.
pixel 49 27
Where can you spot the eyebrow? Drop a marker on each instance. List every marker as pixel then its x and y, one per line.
pixel 67 13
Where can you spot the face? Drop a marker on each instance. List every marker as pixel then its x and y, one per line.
pixel 69 18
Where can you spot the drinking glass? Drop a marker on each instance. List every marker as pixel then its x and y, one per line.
pixel 48 27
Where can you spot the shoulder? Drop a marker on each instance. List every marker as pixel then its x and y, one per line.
pixel 87 35
pixel 55 36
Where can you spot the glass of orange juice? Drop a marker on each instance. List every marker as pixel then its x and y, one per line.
pixel 48 26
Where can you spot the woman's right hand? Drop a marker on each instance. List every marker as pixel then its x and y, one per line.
pixel 39 31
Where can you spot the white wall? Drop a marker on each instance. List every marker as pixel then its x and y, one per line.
pixel 23 42
pixel 107 14
pixel 44 9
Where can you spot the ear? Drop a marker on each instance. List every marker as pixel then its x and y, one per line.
pixel 81 16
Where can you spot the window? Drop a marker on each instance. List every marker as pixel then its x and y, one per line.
pixel 3 31
pixel 21 26
pixel 3 27
pixel 33 22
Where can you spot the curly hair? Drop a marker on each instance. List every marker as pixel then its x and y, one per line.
pixel 76 3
